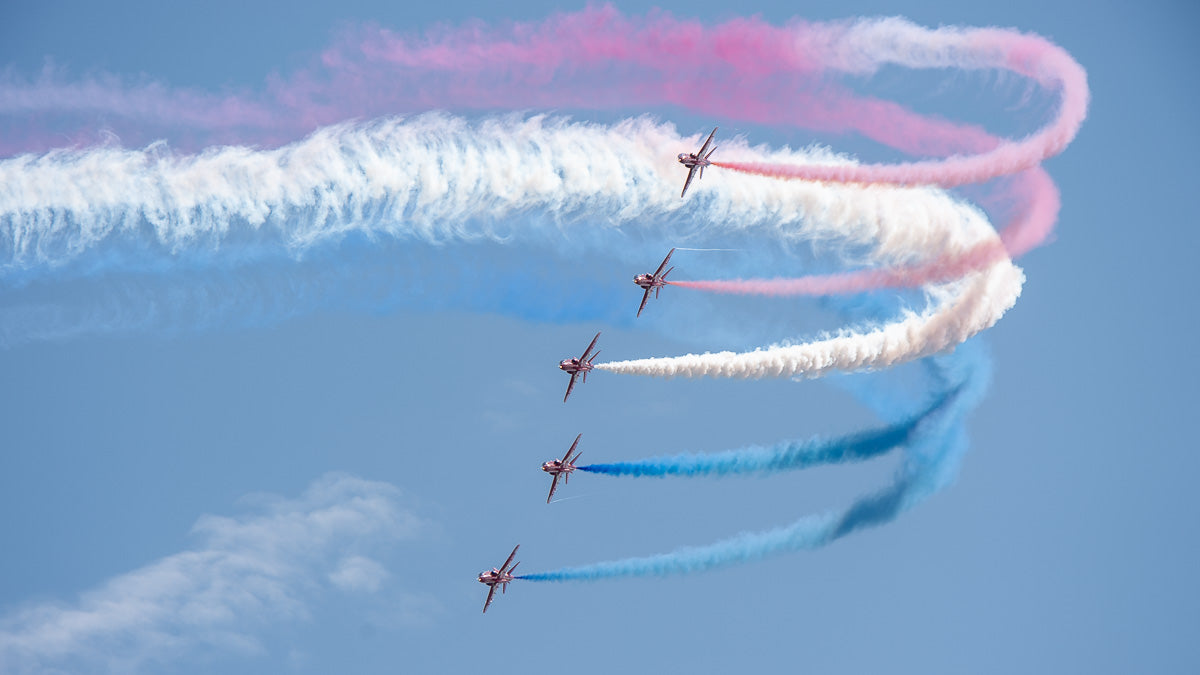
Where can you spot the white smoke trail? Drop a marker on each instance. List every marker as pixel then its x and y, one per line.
pixel 965 308
pixel 437 178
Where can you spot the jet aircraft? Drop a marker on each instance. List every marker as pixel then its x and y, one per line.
pixel 696 161
pixel 561 467
pixel 653 282
pixel 498 577
pixel 580 365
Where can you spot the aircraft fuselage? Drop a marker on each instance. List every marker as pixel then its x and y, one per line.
pixel 691 160
pixel 574 366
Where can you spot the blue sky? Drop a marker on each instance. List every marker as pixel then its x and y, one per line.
pixel 417 424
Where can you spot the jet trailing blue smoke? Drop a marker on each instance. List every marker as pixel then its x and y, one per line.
pixel 932 448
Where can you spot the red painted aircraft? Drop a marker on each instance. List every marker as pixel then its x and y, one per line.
pixel 696 160
pixel 498 577
pixel 653 282
pixel 580 365
pixel 561 467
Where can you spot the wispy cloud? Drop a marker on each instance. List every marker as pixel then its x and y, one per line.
pixel 247 570
pixel 358 573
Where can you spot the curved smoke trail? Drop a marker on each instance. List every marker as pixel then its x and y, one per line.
pixel 431 178
pixel 966 308
pixel 866 47
pixel 871 45
pixel 792 455
pixel 744 69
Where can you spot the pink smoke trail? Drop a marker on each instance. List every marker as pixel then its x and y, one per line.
pixel 1027 55
pixel 941 270
pixel 743 69
pixel 1027 231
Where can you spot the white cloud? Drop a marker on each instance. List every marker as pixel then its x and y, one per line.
pixel 247 571
pixel 357 573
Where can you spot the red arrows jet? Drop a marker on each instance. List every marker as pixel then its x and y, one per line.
pixel 653 282
pixel 498 577
pixel 696 160
pixel 561 467
pixel 580 365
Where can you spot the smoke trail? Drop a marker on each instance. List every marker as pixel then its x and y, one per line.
pixel 431 178
pixel 967 307
pixel 1027 231
pixel 931 461
pixel 868 46
pixel 785 456
pixel 940 270
pixel 789 456
pixel 746 70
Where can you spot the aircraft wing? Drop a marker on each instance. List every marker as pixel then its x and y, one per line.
pixel 567 457
pixel 553 487
pixel 645 298
pixel 570 386
pixel 664 264
pixel 491 594
pixel 510 557
pixel 706 142
pixel 589 348
pixel 688 182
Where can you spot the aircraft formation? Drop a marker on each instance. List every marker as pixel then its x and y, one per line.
pixel 562 468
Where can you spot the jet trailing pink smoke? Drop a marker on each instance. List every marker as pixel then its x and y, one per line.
pixel 898 42
pixel 941 270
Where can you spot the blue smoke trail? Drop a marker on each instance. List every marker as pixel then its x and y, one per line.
pixel 792 455
pixel 932 454
pixel 358 276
